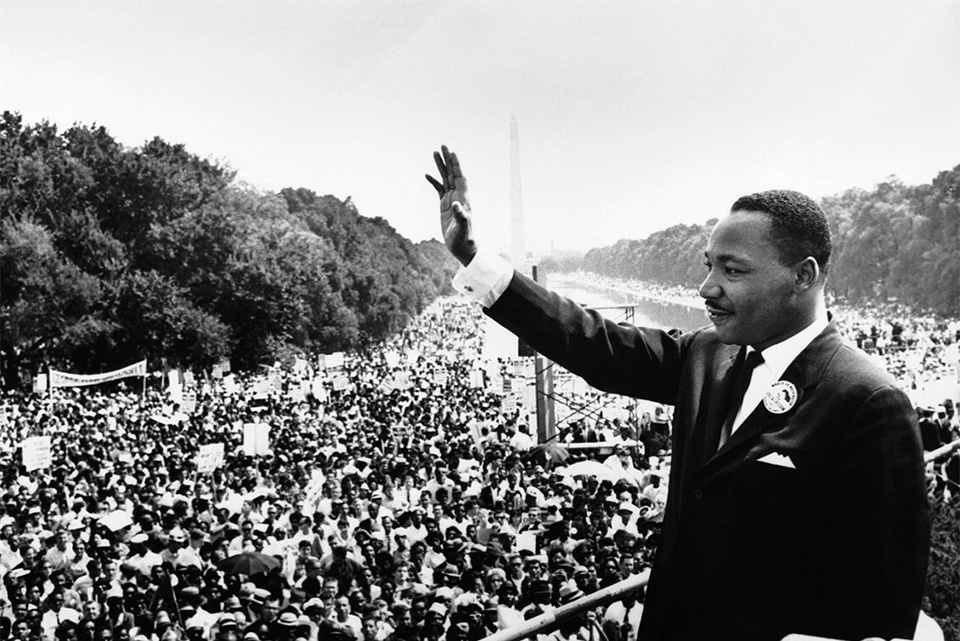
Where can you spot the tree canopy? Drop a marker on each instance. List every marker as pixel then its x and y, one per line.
pixel 110 254
pixel 891 243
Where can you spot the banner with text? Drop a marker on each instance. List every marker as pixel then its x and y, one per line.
pixel 66 379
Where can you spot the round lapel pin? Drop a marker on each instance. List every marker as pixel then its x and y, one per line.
pixel 781 398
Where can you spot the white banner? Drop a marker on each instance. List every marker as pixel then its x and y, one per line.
pixel 66 379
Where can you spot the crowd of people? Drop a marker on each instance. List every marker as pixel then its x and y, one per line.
pixel 401 498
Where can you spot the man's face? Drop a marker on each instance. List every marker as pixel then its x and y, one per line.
pixel 269 610
pixel 751 297
pixel 329 589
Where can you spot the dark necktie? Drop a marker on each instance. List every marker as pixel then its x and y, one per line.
pixel 735 399
pixel 626 629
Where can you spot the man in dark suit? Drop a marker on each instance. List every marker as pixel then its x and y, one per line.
pixel 929 429
pixel 795 506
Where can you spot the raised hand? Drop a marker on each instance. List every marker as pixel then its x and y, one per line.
pixel 454 206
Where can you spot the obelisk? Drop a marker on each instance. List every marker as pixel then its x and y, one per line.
pixel 518 249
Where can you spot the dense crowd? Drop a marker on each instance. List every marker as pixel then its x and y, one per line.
pixel 398 499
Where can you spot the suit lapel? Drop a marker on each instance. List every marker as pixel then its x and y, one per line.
pixel 803 373
pixel 709 417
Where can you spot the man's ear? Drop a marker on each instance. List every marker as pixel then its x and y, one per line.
pixel 807 272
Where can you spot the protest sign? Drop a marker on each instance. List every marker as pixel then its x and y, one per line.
pixel 476 379
pixel 332 361
pixel 188 401
pixel 256 439
pixel 526 541
pixel 296 394
pixel 209 457
pixel 36 453
pixel 317 389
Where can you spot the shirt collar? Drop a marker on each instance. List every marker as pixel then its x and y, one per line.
pixel 779 356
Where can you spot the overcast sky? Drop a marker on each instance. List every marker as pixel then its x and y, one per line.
pixel 633 116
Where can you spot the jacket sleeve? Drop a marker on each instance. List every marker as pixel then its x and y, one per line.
pixel 618 358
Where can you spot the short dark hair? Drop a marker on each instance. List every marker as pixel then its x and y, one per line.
pixel 798 224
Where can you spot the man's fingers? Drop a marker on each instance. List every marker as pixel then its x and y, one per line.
pixel 448 158
pixel 453 164
pixel 441 166
pixel 436 184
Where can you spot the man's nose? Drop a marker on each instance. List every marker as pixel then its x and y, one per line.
pixel 709 288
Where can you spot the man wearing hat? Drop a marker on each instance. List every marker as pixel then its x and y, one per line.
pixel 434 623
pixel 284 626
pixel 540 599
pixel 141 558
pixel 929 430
pixel 267 607
pixel 226 623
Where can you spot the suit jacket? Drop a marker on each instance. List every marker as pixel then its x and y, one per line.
pixel 833 544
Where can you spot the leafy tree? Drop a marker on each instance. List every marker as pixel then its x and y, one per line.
pixel 48 302
pixel 111 254
pixel 894 242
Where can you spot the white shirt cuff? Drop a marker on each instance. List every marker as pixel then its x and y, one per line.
pixel 485 279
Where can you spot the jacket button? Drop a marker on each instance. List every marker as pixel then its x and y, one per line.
pixel 698 494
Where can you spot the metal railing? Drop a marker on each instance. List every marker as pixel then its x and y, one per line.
pixel 941 451
pixel 539 624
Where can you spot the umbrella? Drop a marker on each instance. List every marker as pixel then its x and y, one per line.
pixel 116 520
pixel 248 563
pixel 550 452
pixel 597 469
pixel 587 468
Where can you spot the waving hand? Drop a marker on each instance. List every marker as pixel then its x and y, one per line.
pixel 454 206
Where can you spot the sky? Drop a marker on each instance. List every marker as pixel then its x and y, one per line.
pixel 633 116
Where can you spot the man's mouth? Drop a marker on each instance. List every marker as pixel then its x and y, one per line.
pixel 717 314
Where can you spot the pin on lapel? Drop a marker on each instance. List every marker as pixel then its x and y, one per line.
pixel 781 397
